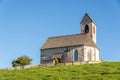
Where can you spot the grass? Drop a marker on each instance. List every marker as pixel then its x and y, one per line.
pixel 101 71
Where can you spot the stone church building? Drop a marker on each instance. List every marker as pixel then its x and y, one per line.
pixel 77 48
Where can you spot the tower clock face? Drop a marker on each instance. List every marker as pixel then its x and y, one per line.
pixel 85 21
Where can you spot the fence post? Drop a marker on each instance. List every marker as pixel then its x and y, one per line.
pixel 72 63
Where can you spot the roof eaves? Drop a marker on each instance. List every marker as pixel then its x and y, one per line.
pixel 61 47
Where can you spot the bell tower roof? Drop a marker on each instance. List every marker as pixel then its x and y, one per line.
pixel 88 26
pixel 86 17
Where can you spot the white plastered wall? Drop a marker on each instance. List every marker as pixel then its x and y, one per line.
pixel 94 53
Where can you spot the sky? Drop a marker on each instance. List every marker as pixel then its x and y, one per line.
pixel 26 24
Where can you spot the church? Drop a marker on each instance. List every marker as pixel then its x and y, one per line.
pixel 77 48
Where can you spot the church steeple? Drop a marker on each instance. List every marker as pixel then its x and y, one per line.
pixel 88 26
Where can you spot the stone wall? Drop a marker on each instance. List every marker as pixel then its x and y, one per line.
pixel 46 55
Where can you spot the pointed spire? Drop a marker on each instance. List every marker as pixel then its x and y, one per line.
pixel 86 15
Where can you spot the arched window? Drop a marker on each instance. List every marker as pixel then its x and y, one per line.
pixel 94 30
pixel 76 55
pixel 86 29
pixel 89 55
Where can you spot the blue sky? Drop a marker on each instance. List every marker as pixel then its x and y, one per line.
pixel 26 24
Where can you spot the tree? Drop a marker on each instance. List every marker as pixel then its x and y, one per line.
pixel 21 61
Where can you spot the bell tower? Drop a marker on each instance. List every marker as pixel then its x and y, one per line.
pixel 88 26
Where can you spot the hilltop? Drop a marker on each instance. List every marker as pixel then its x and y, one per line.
pixel 101 71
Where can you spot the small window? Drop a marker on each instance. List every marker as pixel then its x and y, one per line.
pixel 94 30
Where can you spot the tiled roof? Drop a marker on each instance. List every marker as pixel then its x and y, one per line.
pixel 70 40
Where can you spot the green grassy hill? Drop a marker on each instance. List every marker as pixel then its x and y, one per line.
pixel 101 71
